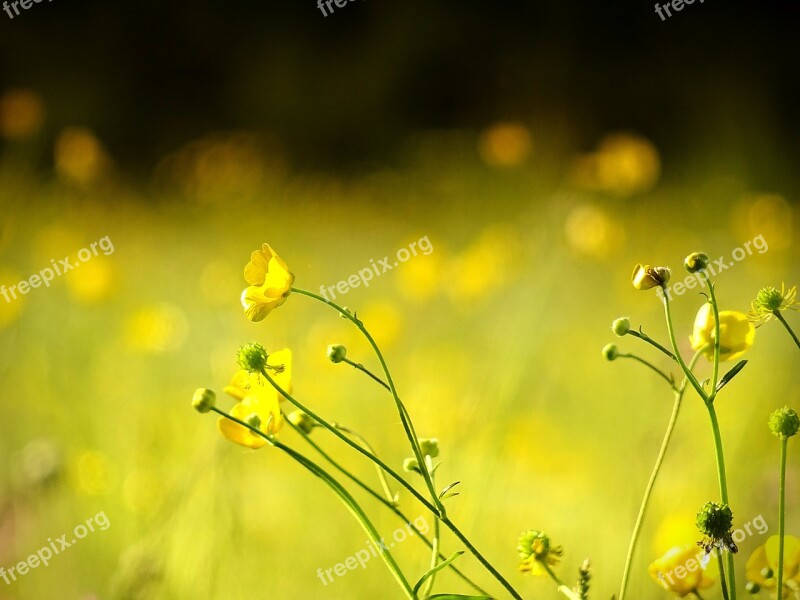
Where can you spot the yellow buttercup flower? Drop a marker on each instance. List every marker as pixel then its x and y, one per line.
pixel 537 553
pixel 270 283
pixel 257 397
pixel 683 570
pixel 736 333
pixel 762 566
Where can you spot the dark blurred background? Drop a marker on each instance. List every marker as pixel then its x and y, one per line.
pixel 346 89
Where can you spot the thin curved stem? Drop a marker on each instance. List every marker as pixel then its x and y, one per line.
pixel 686 371
pixel 646 363
pixel 646 338
pixel 562 587
pixel 715 307
pixel 363 369
pixel 408 426
pixel 723 488
pixel 782 514
pixel 434 549
pixel 392 507
pixel 780 318
pixel 390 495
pixel 349 502
pixel 722 582
pixel 653 476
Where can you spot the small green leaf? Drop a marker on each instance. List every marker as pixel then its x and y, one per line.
pixel 731 374
pixel 447 489
pixel 439 567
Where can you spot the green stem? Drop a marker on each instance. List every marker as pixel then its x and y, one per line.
pixel 391 506
pixel 363 369
pixel 351 504
pixel 401 409
pixel 390 495
pixel 715 307
pixel 722 583
pixel 653 476
pixel 780 318
pixel 686 371
pixel 667 378
pixel 723 487
pixel 646 338
pixel 450 525
pixel 781 514
pixel 434 548
pixel 562 587
pixel 474 551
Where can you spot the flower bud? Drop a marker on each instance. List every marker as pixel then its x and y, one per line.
pixel 621 326
pixel 302 421
pixel 715 520
pixel 610 352
pixel 429 447
pixel 752 587
pixel 784 422
pixel 336 353
pixel 252 358
pixel 645 277
pixel 203 400
pixel 410 465
pixel 696 262
pixel 767 573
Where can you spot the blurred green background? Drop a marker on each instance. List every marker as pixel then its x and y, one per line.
pixel 543 149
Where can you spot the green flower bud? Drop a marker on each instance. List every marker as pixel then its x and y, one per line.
pixel 203 400
pixel 253 420
pixel 767 573
pixel 768 299
pixel 715 521
pixel 610 352
pixel 621 326
pixel 696 262
pixel 752 587
pixel 336 353
pixel 302 421
pixel 410 465
pixel 252 358
pixel 429 447
pixel 536 545
pixel 784 422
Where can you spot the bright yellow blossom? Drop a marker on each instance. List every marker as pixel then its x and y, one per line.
pixel 764 561
pixel 736 333
pixel 270 283
pixel 257 397
pixel 683 570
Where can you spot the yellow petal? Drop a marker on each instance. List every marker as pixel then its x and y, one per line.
pixel 266 407
pixel 256 306
pixel 791 555
pixel 282 358
pixel 256 270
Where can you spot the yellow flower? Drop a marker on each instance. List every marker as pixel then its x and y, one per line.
pixel 683 570
pixel 764 561
pixel 537 553
pixel 270 283
pixel 257 397
pixel 646 277
pixel 736 333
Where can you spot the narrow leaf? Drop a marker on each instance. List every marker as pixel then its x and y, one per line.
pixel 439 567
pixel 731 374
pixel 448 488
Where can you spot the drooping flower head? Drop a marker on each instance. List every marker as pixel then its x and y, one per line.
pixel 762 566
pixel 736 333
pixel 646 277
pixel 257 397
pixel 270 283
pixel 683 570
pixel 537 552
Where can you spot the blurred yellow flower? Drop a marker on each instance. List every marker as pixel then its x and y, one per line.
pixel 157 328
pixel 94 474
pixel 624 164
pixel 21 114
pixel 270 283
pixel 80 157
pixel 764 561
pixel 592 232
pixel 683 570
pixel 537 553
pixel 93 281
pixel 257 397
pixel 505 144
pixel 736 333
